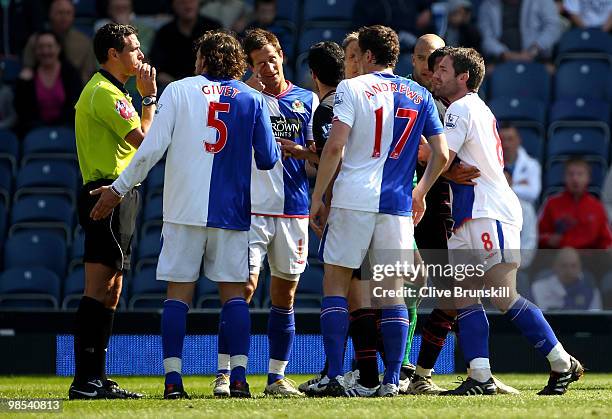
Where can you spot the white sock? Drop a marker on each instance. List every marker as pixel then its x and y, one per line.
pixel 480 369
pixel 423 372
pixel 276 366
pixel 172 364
pixel 238 361
pixel 223 362
pixel 559 359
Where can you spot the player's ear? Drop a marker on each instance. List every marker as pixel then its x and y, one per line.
pixel 282 56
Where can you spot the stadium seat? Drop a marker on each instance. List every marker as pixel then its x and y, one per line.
pixel 46 212
pixel 11 67
pixel 3 212
pixel 313 244
pixel 149 247
pixel 313 35
pixel 584 44
pixel 30 288
pixel 325 10
pixel 31 248
pixel 77 249
pixel 588 142
pixel 516 79
pixel 587 79
pixel 47 177
pixel 207 294
pixel 85 8
pixel 6 184
pixel 153 213
pixel 554 177
pixel 155 180
pixel 49 143
pixel 288 11
pixel 310 288
pixel 404 65
pixel 580 113
pixel 9 150
pixel 523 112
pixel 146 292
pixel 532 142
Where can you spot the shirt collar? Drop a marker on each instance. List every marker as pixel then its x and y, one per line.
pixel 113 80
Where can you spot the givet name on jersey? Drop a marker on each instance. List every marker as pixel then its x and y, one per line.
pixel 393 87
pixel 215 89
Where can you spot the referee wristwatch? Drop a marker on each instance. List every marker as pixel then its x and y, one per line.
pixel 149 100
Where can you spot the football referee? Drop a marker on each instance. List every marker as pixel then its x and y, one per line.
pixel 108 131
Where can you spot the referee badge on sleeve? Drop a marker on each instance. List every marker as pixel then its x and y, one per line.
pixel 124 109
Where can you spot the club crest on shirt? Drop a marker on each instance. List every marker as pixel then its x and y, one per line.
pixel 124 109
pixel 338 98
pixel 298 106
pixel 451 120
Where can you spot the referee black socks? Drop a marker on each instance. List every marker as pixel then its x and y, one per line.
pixel 93 327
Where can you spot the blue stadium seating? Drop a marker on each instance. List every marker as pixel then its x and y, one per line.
pixel 149 247
pixel 580 78
pixel 85 8
pixel 404 65
pixel 3 212
pixel 580 113
pixel 6 184
pixel 584 44
pixel 45 212
pixel 586 142
pixel 153 213
pixel 9 150
pixel 516 79
pixel 207 294
pixel 27 249
pixel 313 35
pixel 325 10
pixel 49 143
pixel 532 142
pixel 146 292
pixel 11 67
pixel 31 288
pixel 313 244
pixel 310 288
pixel 77 249
pixel 523 112
pixel 47 177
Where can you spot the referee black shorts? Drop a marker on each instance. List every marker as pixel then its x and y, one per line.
pixel 108 241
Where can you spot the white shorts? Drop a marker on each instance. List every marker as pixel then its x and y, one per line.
pixel 284 240
pixel 485 241
pixel 349 234
pixel 225 254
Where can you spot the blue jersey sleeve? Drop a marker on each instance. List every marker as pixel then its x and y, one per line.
pixel 432 126
pixel 267 151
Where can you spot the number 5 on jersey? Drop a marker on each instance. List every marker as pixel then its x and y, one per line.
pixel 214 122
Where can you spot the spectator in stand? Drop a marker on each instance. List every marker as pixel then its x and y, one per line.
pixel 77 47
pixel 47 96
pixel 8 116
pixel 566 287
pixel 264 17
pixel 590 13
pixel 24 18
pixel 518 30
pixel 459 30
pixel 529 232
pixel 574 217
pixel 232 14
pixel 122 12
pixel 172 52
pixel 526 171
pixel 409 18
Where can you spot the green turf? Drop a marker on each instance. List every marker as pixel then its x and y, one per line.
pixel 590 397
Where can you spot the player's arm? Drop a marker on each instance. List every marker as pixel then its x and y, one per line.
pixel 330 159
pixel 266 151
pixel 147 86
pixel 151 151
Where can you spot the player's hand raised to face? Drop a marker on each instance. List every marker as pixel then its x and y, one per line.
pixel 106 202
pixel 318 216
pixel 146 80
pixel 255 82
pixel 462 174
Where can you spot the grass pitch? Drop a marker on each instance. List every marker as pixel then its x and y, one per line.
pixel 589 397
